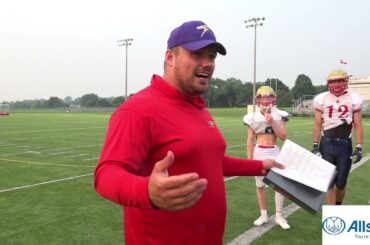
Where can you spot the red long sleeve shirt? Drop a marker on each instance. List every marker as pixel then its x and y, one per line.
pixel 140 133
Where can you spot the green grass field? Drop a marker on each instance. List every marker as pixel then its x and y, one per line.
pixel 46 182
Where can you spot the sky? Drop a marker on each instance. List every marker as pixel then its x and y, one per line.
pixel 69 48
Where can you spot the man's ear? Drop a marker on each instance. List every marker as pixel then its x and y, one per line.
pixel 169 57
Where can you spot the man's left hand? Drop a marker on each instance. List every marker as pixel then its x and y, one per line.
pixel 269 163
pixel 358 154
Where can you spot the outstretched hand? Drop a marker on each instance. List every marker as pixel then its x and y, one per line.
pixel 177 192
pixel 269 163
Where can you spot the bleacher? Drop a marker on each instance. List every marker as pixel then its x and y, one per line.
pixel 303 106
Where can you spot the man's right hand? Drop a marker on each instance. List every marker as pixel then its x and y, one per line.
pixel 177 192
pixel 315 149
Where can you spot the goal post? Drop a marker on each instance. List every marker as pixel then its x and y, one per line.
pixel 74 108
pixel 4 109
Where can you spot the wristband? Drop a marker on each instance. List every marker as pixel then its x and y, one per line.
pixel 358 146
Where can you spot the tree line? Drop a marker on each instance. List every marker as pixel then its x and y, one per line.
pixel 231 92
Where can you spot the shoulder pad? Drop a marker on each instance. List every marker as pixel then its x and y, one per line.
pixel 282 113
pixel 356 98
pixel 247 119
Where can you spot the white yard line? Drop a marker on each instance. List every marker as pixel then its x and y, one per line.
pixel 77 147
pixel 44 183
pixel 58 153
pixel 18 146
pixel 59 136
pixel 230 178
pixel 234 146
pixel 89 159
pixel 50 130
pixel 79 155
pixel 44 163
pixel 250 235
pixel 29 149
pixel 4 145
pixel 255 232
pixel 25 151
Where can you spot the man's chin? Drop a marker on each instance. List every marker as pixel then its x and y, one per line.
pixel 200 90
pixel 203 88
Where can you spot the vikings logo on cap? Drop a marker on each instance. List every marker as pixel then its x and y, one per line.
pixel 194 35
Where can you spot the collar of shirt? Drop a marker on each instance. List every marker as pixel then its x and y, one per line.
pixel 170 91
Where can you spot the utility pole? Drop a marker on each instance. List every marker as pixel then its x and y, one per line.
pixel 125 42
pixel 254 22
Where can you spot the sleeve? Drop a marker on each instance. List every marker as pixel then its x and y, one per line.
pixel 125 149
pixel 247 119
pixel 318 102
pixel 241 167
pixel 283 114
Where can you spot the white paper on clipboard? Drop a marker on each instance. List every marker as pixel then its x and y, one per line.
pixel 305 167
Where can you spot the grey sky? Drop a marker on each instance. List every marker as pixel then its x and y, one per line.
pixel 69 48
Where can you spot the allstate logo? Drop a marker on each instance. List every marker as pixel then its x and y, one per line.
pixel 333 225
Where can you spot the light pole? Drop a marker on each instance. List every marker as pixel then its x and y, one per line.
pixel 254 23
pixel 125 42
pixel 276 91
pixel 270 79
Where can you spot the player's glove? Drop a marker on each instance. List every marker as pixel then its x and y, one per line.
pixel 315 149
pixel 357 153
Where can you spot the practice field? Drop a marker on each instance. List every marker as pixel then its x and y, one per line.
pixel 46 182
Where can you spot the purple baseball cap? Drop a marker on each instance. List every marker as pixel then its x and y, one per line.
pixel 194 35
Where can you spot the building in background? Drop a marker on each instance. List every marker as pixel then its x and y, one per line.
pixel 360 85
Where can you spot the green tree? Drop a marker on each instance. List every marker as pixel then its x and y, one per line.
pixel 283 94
pixel 303 86
pixel 321 88
pixel 244 94
pixel 39 104
pixel 215 96
pixel 117 101
pixel 89 100
pixel 231 91
pixel 68 100
pixel 104 102
pixel 53 102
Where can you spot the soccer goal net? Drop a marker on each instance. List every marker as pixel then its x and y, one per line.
pixel 4 109
pixel 74 108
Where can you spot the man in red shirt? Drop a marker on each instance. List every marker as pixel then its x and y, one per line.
pixel 164 157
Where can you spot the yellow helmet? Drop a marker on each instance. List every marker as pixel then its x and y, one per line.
pixel 337 82
pixel 337 74
pixel 265 91
pixel 265 97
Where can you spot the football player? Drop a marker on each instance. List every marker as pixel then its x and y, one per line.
pixel 336 113
pixel 266 125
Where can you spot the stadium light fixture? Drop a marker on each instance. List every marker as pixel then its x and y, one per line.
pixel 253 23
pixel 125 42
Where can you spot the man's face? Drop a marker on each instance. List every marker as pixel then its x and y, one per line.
pixel 193 69
pixel 338 87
